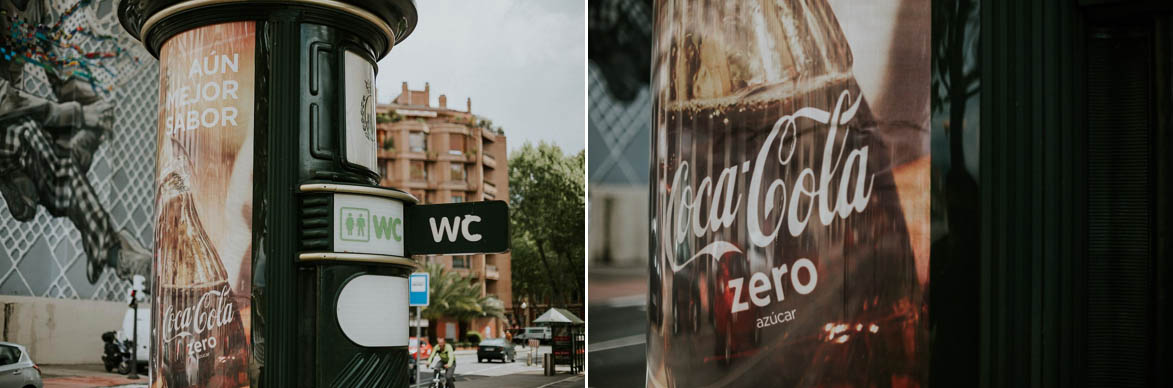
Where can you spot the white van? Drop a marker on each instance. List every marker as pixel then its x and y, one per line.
pixel 541 333
pixel 143 343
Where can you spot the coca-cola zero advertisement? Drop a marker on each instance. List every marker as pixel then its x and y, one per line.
pixel 790 194
pixel 203 208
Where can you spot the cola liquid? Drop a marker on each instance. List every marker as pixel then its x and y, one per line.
pixel 727 75
pixel 199 340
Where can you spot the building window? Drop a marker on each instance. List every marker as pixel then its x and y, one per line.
pixel 457 172
pixel 419 141
pixel 457 198
pixel 386 141
pixel 460 262
pixel 383 171
pixel 419 171
pixel 456 144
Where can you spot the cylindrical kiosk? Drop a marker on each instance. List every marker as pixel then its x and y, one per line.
pixel 278 262
pixel 789 195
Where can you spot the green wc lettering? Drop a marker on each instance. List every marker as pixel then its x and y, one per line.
pixel 358 223
pixel 387 228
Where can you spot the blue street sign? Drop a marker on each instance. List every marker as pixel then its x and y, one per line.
pixel 418 289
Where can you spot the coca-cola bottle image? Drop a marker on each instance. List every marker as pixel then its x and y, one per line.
pixel 779 240
pixel 199 340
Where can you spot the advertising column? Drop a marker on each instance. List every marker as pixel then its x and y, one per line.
pixel 203 197
pixel 265 152
pixel 790 176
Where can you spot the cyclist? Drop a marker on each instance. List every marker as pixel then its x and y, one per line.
pixel 447 360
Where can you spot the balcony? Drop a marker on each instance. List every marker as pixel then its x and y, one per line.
pixel 490 188
pixel 490 161
pixel 411 154
pixel 491 272
pixel 456 185
pixel 488 134
pixel 413 184
pixel 458 156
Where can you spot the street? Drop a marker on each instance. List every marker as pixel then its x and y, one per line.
pixel 618 327
pixel 469 374
pixel 472 374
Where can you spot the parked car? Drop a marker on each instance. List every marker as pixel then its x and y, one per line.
pixel 496 349
pixel 540 333
pixel 425 352
pixel 412 343
pixel 17 368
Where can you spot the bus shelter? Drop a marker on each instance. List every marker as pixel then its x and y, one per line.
pixel 568 341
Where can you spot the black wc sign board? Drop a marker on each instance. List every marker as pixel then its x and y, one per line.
pixel 457 228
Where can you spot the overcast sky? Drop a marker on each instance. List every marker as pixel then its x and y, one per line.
pixel 522 62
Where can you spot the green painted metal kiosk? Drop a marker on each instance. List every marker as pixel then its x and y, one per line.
pixel 277 259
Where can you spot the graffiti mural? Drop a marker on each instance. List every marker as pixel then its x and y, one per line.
pixel 77 113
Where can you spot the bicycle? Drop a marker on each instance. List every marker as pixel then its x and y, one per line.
pixel 438 379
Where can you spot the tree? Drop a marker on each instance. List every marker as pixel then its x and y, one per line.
pixel 390 116
pixel 456 296
pixel 547 194
pixel 957 75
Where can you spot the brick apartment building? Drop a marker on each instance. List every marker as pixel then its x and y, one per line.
pixel 444 155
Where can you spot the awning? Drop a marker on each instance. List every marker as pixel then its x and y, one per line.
pixel 557 315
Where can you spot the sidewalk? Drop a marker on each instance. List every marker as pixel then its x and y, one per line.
pixel 85 375
pixel 531 379
pixel 618 285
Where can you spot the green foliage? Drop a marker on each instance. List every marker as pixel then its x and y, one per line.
pixel 473 337
pixel 388 117
pixel 492 307
pixel 456 296
pixel 547 194
pixel 389 143
pixel 452 295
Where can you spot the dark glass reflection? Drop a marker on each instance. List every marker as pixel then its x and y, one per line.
pixel 956 200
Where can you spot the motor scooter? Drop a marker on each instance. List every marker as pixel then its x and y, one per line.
pixel 117 353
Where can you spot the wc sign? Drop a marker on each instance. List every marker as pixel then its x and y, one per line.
pixel 458 228
pixel 368 224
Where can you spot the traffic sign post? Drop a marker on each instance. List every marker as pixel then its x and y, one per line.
pixel 419 296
